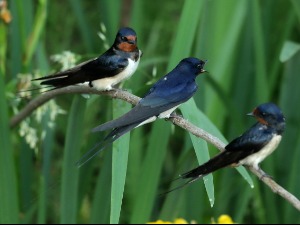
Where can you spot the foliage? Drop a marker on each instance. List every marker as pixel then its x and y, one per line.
pixel 253 53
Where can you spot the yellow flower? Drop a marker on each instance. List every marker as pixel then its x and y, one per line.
pixel 176 221
pixel 160 222
pixel 223 219
pixel 4 12
pixel 180 221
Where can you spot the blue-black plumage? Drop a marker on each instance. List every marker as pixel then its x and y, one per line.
pixel 164 97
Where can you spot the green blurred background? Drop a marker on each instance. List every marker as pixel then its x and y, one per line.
pixel 253 52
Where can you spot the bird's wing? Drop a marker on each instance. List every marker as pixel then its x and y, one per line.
pixel 106 65
pixel 250 142
pixel 101 67
pixel 153 104
pixel 67 72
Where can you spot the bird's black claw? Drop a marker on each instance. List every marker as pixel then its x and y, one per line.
pixel 175 116
pixel 265 175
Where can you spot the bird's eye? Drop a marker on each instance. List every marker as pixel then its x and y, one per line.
pixel 199 66
pixel 263 114
pixel 123 38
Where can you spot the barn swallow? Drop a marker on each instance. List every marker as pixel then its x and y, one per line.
pixel 164 97
pixel 118 63
pixel 249 149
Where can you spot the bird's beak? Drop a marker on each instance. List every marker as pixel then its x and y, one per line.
pixel 203 70
pixel 131 39
pixel 250 114
pixel 133 42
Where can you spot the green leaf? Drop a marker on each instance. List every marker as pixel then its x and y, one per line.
pixel 190 111
pixel 119 164
pixel 82 23
pixel 220 31
pixel 289 100
pixel 3 47
pixel 45 176
pixel 70 173
pixel 289 50
pixel 186 30
pixel 262 84
pixel 296 6
pixel 9 212
pixel 100 211
pixel 150 171
pixel 39 25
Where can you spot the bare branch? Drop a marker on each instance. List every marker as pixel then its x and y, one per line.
pixel 42 99
pixel 276 188
pixel 175 119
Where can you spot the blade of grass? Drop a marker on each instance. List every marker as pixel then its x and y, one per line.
pixel 100 211
pixel 293 185
pixel 262 86
pixel 290 93
pixel 219 40
pixel 26 169
pixel 21 7
pixel 184 202
pixel 289 49
pixel 112 16
pixel 9 211
pixel 182 45
pixel 3 46
pixel 83 25
pixel 296 7
pixel 189 111
pixel 150 172
pixel 259 205
pixel 119 164
pixel 39 25
pixel 15 43
pixel 70 173
pixel 136 14
pixel 48 144
pixel 285 31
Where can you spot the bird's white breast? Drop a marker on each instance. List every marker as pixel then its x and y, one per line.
pixel 166 114
pixel 163 115
pixel 256 158
pixel 107 83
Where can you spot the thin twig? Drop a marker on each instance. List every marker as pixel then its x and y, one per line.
pixel 175 119
pixel 42 99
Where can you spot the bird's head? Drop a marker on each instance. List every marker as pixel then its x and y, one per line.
pixel 126 40
pixel 269 114
pixel 194 65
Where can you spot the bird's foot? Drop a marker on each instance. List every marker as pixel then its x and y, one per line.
pixel 116 88
pixel 173 115
pixel 264 175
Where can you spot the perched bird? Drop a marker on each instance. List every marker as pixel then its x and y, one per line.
pixel 118 63
pixel 164 97
pixel 251 148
